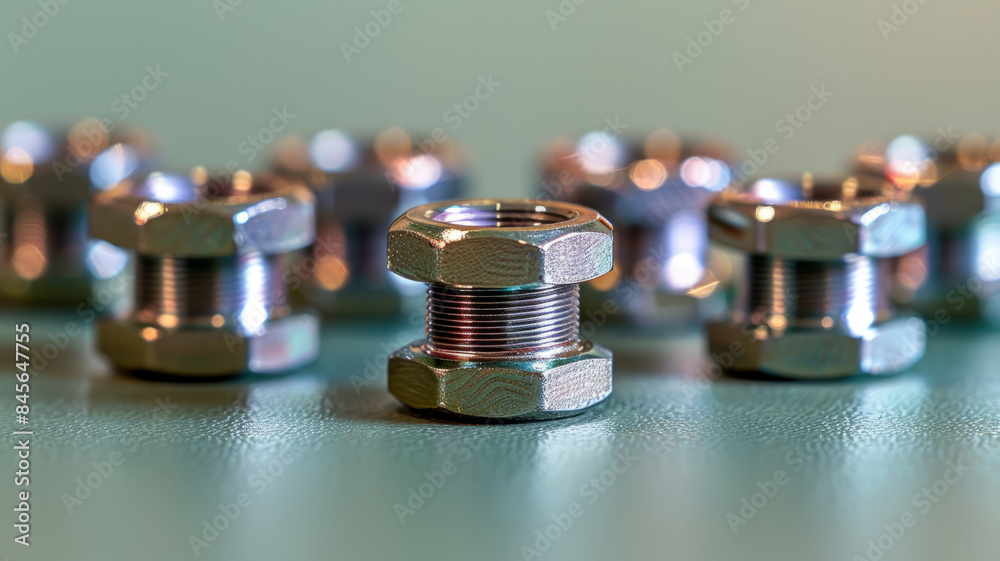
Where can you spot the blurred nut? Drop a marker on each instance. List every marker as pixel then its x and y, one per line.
pixel 163 215
pixel 360 188
pixel 655 190
pixel 772 217
pixel 210 294
pixel 958 178
pixel 45 183
pixel 814 302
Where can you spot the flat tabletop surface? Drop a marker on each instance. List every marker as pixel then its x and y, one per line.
pixel 680 463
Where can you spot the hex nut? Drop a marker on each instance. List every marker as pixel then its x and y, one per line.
pixel 510 389
pixel 439 243
pixel 770 217
pixel 282 344
pixel 955 175
pixel 166 215
pixel 887 347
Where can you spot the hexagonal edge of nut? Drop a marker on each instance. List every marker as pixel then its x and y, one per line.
pixel 500 258
pixel 283 344
pixel 503 390
pixel 881 228
pixel 275 222
pixel 887 347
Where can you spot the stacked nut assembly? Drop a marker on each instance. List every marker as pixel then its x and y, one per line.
pixel 502 328
pixel 814 300
pixel 211 266
pixel 655 192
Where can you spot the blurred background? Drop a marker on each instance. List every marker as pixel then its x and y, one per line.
pixel 557 67
pixel 223 80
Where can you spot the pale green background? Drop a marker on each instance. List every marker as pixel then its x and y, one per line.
pixel 608 59
pixel 700 448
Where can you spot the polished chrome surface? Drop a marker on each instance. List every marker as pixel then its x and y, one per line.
pixel 361 185
pixel 848 292
pixel 958 177
pixel 814 293
pixel 655 189
pixel 213 265
pixel 503 313
pixel 480 322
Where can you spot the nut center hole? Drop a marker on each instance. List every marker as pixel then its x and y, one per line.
pixel 501 215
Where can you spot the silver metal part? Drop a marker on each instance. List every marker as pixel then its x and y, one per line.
pixel 655 190
pixel 957 274
pixel 503 315
pixel 212 259
pixel 814 301
pixel 46 179
pixel 360 188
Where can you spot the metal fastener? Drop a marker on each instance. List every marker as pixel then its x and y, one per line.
pixel 360 188
pixel 211 267
pixel 814 301
pixel 46 179
pixel 958 177
pixel 503 313
pixel 655 191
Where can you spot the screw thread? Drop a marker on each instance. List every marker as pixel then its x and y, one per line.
pixel 192 288
pixel 498 322
pixel 786 293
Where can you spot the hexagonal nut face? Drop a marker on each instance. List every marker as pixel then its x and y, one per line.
pixel 957 176
pixel 281 345
pixel 818 223
pixel 887 347
pixel 500 243
pixel 170 215
pixel 501 389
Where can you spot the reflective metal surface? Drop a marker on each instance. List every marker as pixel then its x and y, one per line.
pixel 503 312
pixel 814 295
pixel 957 275
pixel 330 462
pixel 213 263
pixel 360 187
pixel 655 190
pixel 46 179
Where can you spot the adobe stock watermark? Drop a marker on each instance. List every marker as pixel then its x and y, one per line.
pixel 33 24
pixel 768 489
pixel 564 10
pixel 93 135
pixel 99 302
pixel 365 33
pixel 254 144
pixel 714 28
pixel 88 484
pixel 896 529
pixel 433 481
pixel 590 492
pixel 899 16
pixel 787 126
pixel 613 129
pixel 129 100
pixel 455 116
pixel 258 482
pixel 225 7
